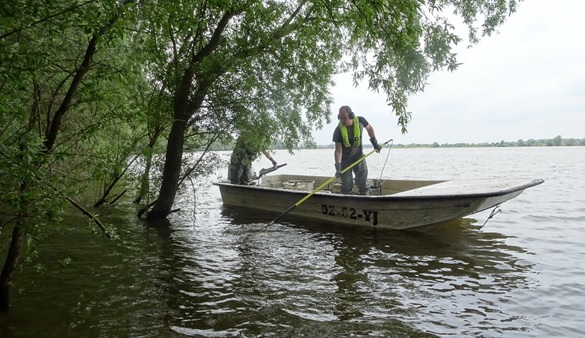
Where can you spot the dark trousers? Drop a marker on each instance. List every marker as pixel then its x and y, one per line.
pixel 240 174
pixel 360 172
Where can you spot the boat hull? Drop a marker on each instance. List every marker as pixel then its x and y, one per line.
pixel 398 204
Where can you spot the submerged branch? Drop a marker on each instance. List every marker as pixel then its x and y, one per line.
pixel 89 215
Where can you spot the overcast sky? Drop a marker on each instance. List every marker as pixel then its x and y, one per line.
pixel 525 82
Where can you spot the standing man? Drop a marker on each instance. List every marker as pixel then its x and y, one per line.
pixel 244 153
pixel 348 149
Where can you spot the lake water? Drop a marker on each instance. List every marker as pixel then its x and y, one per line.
pixel 212 272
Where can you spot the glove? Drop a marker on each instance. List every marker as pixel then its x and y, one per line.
pixel 337 170
pixel 375 144
pixel 273 162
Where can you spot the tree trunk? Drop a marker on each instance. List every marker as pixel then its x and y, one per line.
pixel 171 172
pixel 55 124
pixel 144 180
pixel 174 155
pixel 10 267
pixel 145 177
pixel 186 102
pixel 116 177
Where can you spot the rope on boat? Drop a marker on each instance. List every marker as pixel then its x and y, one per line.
pixel 495 211
pixel 384 166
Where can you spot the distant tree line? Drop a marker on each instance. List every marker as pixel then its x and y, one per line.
pixel 554 142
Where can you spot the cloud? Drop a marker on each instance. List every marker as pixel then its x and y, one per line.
pixel 526 82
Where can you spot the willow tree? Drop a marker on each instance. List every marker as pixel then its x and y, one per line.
pixel 243 65
pixel 66 86
pixel 274 60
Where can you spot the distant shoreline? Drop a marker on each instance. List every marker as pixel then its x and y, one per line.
pixel 554 142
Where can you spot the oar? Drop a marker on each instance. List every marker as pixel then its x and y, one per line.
pixel 323 185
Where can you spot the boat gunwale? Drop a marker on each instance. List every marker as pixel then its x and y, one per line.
pixel 393 197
